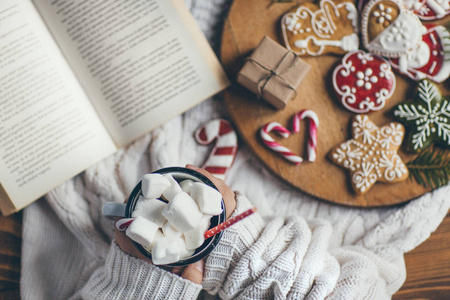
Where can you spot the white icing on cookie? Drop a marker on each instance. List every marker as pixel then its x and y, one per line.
pixel 322 28
pixel 363 81
pixel 371 155
pixel 401 34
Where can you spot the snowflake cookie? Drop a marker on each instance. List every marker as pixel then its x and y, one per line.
pixel 331 27
pixel 427 117
pixel 371 155
pixel 431 58
pixel 363 82
pixel 389 29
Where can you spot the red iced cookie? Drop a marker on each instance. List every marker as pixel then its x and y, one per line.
pixel 363 82
pixel 431 59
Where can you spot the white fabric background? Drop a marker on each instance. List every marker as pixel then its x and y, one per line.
pixel 61 231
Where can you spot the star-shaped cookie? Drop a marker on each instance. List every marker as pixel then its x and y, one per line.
pixel 371 155
pixel 427 117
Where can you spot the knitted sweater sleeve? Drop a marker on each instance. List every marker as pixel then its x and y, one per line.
pixel 289 258
pixel 125 277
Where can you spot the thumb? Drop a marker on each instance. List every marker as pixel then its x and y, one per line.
pixel 194 272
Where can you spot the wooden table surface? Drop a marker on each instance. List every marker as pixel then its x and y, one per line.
pixel 428 266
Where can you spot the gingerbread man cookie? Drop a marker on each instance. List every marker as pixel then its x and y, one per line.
pixel 389 29
pixel 371 155
pixel 427 117
pixel 331 27
pixel 363 82
pixel 430 59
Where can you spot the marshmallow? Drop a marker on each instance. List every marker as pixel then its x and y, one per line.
pixel 173 189
pixel 182 212
pixel 142 231
pixel 153 185
pixel 150 209
pixel 184 252
pixel 194 238
pixel 158 236
pixel 170 231
pixel 186 185
pixel 168 250
pixel 209 200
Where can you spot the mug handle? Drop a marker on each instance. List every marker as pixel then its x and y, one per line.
pixel 112 210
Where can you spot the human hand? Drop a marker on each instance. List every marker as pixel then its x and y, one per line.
pixel 192 272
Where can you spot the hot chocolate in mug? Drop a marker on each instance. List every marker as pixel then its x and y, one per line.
pixel 125 210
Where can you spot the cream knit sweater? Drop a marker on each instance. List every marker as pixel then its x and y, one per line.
pixel 297 247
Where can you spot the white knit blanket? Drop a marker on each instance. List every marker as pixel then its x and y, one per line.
pixel 60 232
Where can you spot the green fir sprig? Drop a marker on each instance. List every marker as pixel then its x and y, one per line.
pixel 431 168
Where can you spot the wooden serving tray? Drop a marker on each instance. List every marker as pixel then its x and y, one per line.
pixel 246 25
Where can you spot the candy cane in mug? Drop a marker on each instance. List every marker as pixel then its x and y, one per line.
pixel 222 155
pixel 312 134
pixel 270 142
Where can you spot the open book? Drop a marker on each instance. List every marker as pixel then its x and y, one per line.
pixel 80 79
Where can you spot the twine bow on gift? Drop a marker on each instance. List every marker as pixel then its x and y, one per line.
pixel 275 73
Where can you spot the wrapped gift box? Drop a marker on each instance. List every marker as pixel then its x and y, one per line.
pixel 273 72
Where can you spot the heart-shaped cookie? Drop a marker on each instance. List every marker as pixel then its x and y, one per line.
pixel 285 133
pixel 331 27
pixel 431 59
pixel 389 29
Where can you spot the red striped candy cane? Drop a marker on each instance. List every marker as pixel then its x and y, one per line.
pixel 313 125
pixel 270 142
pixel 222 155
pixel 123 224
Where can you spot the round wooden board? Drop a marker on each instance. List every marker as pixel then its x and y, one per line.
pixel 246 25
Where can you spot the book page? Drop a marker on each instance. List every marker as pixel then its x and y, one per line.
pixel 141 62
pixel 49 131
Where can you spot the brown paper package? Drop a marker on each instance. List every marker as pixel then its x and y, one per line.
pixel 273 72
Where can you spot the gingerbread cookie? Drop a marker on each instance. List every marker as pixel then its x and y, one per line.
pixel 425 9
pixel 427 117
pixel 430 59
pixel 428 9
pixel 371 155
pixel 363 82
pixel 331 27
pixel 389 29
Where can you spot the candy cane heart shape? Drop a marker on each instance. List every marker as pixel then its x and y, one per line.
pixel 222 155
pixel 312 134
pixel 274 146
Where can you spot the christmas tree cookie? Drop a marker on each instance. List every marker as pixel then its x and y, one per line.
pixel 427 117
pixel 371 155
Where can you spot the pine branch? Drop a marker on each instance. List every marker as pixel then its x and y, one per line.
pixel 431 168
